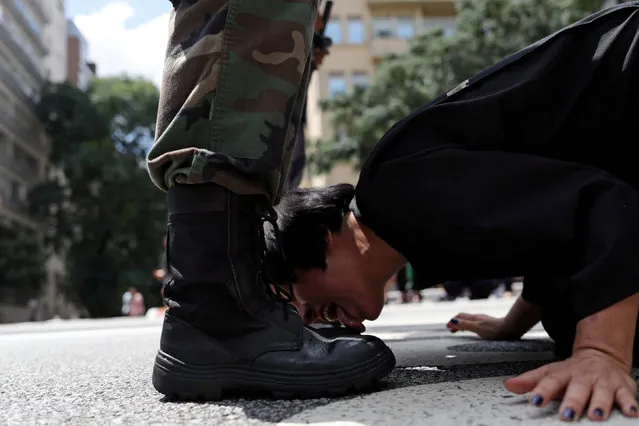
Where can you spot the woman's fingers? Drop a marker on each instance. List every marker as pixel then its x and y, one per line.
pixel 627 401
pixel 576 397
pixel 484 326
pixel 462 324
pixel 549 388
pixel 465 316
pixel 527 382
pixel 588 378
pixel 601 402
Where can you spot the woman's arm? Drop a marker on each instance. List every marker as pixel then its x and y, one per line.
pixel 611 331
pixel 521 318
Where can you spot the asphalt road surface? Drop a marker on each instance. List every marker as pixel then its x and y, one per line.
pixel 97 372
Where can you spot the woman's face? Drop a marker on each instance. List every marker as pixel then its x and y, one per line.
pixel 341 292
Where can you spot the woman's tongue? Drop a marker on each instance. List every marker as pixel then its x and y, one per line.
pixel 345 318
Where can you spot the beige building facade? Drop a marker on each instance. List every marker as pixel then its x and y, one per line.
pixel 363 33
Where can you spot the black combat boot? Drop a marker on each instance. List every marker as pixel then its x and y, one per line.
pixel 333 330
pixel 226 329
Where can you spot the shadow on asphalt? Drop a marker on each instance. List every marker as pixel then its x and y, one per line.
pixel 275 411
pixel 537 345
pixel 265 409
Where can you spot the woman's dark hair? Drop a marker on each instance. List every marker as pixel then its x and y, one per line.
pixel 305 216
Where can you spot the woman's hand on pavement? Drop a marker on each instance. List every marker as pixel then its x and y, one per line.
pixel 485 326
pixel 589 383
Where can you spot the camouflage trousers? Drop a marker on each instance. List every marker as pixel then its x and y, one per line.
pixel 234 85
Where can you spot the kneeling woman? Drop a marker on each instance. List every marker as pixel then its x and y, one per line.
pixel 527 169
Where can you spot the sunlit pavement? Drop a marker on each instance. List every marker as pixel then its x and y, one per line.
pixel 96 372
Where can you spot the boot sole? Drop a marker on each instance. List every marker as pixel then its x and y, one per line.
pixel 181 382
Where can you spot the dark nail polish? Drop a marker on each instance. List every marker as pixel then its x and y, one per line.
pixel 598 412
pixel 568 413
pixel 633 409
pixel 454 321
pixel 537 400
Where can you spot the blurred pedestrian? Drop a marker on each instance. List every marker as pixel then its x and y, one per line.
pixel 126 301
pixel 33 306
pixel 136 305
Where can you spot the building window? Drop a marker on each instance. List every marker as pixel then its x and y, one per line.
pixel 406 27
pixel 7 107
pixel 16 191
pixel 449 29
pixel 336 84
pixel 383 27
pixel 30 163
pixel 28 16
pixel 27 47
pixel 446 25
pixel 5 190
pixel 356 31
pixel 23 194
pixel 360 79
pixel 334 30
pixel 4 145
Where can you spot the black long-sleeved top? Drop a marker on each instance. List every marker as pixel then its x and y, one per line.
pixel 526 169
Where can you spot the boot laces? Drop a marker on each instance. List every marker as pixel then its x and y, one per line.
pixel 278 293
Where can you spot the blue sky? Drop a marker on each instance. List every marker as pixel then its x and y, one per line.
pixel 124 36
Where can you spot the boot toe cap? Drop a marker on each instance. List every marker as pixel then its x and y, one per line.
pixel 320 354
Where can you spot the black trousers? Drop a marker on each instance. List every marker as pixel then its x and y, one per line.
pixel 402 280
pixel 479 289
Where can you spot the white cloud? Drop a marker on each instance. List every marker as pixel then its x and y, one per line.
pixel 137 51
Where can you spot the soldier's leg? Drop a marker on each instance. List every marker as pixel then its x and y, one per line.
pixel 295 173
pixel 229 106
pixel 233 90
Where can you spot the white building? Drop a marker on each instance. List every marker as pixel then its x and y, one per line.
pixel 55 35
pixel 24 147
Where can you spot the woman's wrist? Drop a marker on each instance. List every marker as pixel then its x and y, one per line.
pixel 521 318
pixel 611 330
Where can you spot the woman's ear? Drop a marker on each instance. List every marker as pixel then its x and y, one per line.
pixel 330 242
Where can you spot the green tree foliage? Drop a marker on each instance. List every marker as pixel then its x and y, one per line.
pixel 486 32
pixel 21 264
pixel 102 211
